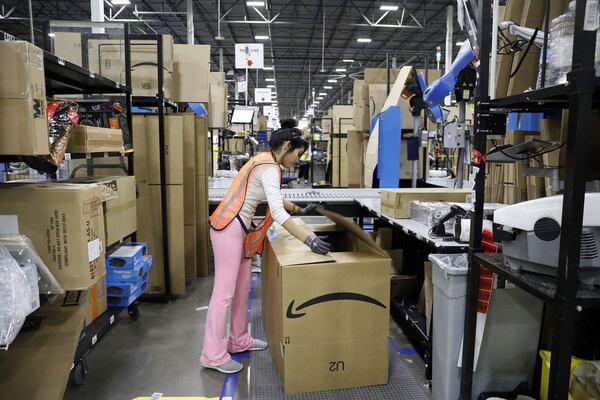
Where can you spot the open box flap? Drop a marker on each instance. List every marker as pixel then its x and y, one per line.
pixel 353 229
pixel 290 251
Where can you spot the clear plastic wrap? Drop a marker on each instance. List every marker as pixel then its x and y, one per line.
pixel 15 293
pixel 24 253
pixel 450 262
pixel 429 212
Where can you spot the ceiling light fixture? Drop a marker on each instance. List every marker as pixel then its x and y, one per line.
pixel 267 68
pixel 261 37
pixel 347 60
pixel 340 70
pixel 459 44
pixel 120 2
pixel 255 3
pixel 363 40
pixel 331 81
pixel 269 79
pixel 322 94
pixel 387 7
pixel 270 86
pixel 327 87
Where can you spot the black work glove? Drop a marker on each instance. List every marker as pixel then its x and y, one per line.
pixel 317 245
pixel 306 210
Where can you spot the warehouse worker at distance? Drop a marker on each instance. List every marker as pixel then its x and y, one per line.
pixel 235 241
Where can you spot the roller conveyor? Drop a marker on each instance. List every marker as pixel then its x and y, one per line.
pixel 215 195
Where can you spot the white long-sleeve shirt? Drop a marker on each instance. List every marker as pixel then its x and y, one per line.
pixel 264 185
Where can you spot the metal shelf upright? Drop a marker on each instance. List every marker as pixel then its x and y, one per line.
pixel 580 95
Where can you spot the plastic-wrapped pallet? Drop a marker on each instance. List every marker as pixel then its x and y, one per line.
pixel 22 250
pixel 15 292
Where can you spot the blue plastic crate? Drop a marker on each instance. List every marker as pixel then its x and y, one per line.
pixel 123 289
pixel 119 302
pixel 126 255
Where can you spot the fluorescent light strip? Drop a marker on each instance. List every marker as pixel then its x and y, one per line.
pixel 331 81
pixel 347 60
pixel 388 8
pixel 270 86
pixel 269 79
pixel 327 87
pixel 120 2
pixel 267 68
pixel 261 37
pixel 340 70
pixel 322 94
pixel 255 3
pixel 363 40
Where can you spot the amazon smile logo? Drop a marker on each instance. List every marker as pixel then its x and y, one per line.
pixel 330 297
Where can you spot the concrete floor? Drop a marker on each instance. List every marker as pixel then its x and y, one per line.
pixel 160 352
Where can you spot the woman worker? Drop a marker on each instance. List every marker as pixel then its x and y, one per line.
pixel 235 241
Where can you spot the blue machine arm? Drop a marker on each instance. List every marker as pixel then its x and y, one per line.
pixel 434 95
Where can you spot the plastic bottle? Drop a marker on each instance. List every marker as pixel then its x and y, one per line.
pixel 560 47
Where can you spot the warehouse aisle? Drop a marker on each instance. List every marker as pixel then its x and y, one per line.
pixel 159 353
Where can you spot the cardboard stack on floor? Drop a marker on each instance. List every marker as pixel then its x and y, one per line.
pixel 203 154
pixel 147 175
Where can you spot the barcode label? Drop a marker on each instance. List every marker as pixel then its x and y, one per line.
pixel 591 16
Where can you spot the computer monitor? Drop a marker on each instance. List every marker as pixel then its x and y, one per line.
pixel 242 116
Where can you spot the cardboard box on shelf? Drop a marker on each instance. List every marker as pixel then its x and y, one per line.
pixel 191 68
pixel 189 169
pixel 217 107
pixel 107 58
pixel 323 342
pixel 91 139
pixel 43 355
pixel 360 104
pixel 395 202
pixel 120 218
pixel 23 115
pixel 95 301
pixel 150 231
pixel 146 146
pixel 65 222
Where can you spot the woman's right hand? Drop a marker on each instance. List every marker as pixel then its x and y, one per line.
pixel 317 244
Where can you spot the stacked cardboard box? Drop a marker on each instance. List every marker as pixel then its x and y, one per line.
pixel 95 301
pixel 203 170
pixel 191 73
pixel 325 342
pixel 356 146
pixel 91 139
pixel 149 216
pixel 217 108
pixel 23 116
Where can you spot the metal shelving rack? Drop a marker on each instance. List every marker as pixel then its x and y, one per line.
pixel 160 102
pixel 579 95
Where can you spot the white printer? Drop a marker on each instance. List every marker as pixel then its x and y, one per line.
pixel 530 236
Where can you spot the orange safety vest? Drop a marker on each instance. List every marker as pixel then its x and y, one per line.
pixel 232 203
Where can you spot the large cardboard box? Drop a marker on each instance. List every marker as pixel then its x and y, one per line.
pixel 91 139
pixel 395 203
pixel 94 301
pixel 23 115
pixel 202 227
pixel 191 263
pixel 189 169
pixel 38 362
pixel 217 108
pixel 360 104
pixel 340 161
pixel 191 68
pixel 318 339
pixel 146 146
pixel 150 231
pixel 120 219
pixel 65 222
pixel 343 118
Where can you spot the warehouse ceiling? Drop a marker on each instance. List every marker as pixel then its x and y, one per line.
pixel 308 39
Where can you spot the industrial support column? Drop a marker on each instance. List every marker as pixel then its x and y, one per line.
pixel 190 21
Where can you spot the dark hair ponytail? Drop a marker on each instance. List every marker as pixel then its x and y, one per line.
pixel 293 135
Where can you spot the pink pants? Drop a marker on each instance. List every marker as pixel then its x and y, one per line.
pixel 233 278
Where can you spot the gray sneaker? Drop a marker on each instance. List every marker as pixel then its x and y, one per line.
pixel 230 367
pixel 258 345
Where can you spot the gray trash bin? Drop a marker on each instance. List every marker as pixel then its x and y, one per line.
pixel 509 344
pixel 449 275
